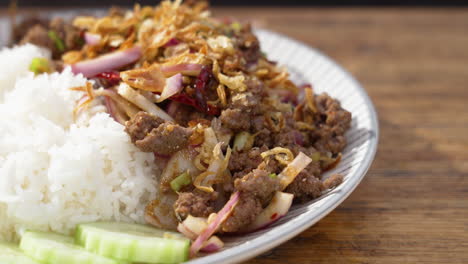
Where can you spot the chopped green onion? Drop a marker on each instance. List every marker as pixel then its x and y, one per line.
pixel 243 140
pixel 236 26
pixel 39 65
pixel 315 156
pixel 57 41
pixel 181 181
pixel 272 175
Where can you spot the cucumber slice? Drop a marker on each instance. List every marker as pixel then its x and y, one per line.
pixel 133 242
pixel 11 254
pixel 50 248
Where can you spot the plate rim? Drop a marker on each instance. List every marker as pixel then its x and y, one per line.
pixel 248 250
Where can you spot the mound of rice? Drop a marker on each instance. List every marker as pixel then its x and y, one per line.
pixel 14 63
pixel 55 173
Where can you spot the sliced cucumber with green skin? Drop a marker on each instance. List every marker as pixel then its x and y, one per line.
pixel 133 242
pixel 11 254
pixel 50 248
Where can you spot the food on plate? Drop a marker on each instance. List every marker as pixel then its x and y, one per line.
pixel 159 115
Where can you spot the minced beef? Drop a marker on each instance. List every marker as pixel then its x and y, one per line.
pixel 235 120
pixel 244 162
pixel 21 29
pixel 244 213
pixel 185 113
pixel 38 35
pixel 259 184
pixel 196 203
pixel 152 134
pixel 333 181
pixel 305 186
pixel 67 32
pixel 332 121
pixel 141 125
pixel 166 139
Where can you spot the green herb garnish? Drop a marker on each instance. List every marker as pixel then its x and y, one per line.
pixel 57 41
pixel 181 181
pixel 39 65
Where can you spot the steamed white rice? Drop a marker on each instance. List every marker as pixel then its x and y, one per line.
pixel 55 173
pixel 14 64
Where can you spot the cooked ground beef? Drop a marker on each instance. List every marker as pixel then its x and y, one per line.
pixel 244 162
pixel 243 214
pixel 235 120
pixel 305 186
pixel 66 32
pixel 332 122
pixel 37 35
pixel 166 139
pixel 21 29
pixel 249 45
pixel 141 125
pixel 259 184
pixel 185 113
pixel 196 203
pixel 333 181
pixel 152 134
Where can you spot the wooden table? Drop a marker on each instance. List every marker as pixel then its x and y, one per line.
pixel 412 207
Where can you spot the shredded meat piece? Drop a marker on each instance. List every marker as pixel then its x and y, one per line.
pixel 152 134
pixel 244 162
pixel 331 122
pixel 257 189
pixel 37 35
pixel 196 203
pixel 21 29
pixel 65 31
pixel 235 120
pixel 246 210
pixel 259 184
pixel 333 181
pixel 305 186
pixel 141 125
pixel 185 114
pixel 166 139
pixel 249 46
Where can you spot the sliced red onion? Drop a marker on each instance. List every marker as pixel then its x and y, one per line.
pixel 278 207
pixel 222 215
pixel 173 86
pixel 113 111
pixel 92 39
pixel 172 108
pixel 186 69
pixel 108 62
pixel 298 138
pixel 172 42
pixel 212 245
pixel 293 169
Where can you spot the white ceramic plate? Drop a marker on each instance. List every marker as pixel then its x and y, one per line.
pixel 306 66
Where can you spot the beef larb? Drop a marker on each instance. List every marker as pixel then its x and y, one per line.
pixel 229 128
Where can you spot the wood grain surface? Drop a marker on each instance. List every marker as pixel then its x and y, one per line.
pixel 412 207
